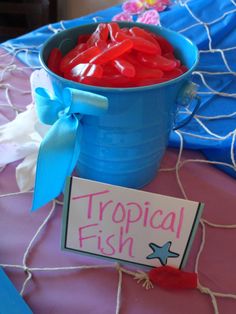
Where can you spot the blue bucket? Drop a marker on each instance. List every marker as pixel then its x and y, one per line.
pixel 125 145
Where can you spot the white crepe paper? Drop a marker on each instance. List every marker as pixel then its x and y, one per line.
pixel 20 139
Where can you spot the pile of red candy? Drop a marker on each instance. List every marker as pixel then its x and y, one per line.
pixel 118 57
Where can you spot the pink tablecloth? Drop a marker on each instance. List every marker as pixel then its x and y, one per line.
pixel 51 289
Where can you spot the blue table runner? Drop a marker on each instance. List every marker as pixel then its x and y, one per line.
pixel 211 25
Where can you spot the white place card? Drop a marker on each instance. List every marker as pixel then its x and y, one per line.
pixel 128 225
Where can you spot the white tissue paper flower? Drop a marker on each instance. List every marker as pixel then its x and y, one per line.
pixel 21 138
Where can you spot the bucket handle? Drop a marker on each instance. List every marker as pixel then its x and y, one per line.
pixel 187 95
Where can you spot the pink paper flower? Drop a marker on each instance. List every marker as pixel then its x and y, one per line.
pixel 146 11
pixel 166 2
pixel 149 17
pixel 123 16
pixel 159 5
pixel 133 6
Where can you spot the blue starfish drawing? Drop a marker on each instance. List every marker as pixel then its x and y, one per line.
pixel 162 252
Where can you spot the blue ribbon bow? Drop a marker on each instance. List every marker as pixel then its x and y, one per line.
pixel 59 149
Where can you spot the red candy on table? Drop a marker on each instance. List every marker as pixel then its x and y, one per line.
pixel 112 52
pixel 142 73
pixel 124 67
pixel 139 43
pixel 146 46
pixel 71 55
pixel 164 44
pixel 157 61
pixel 139 32
pixel 171 56
pixel 109 81
pixel 101 44
pixel 118 57
pixel 54 60
pixel 113 30
pixel 101 33
pixel 170 75
pixel 183 68
pixel 83 38
pixel 110 69
pixel 87 69
pixel 82 57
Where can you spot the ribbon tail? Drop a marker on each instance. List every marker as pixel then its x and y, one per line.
pixel 57 156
